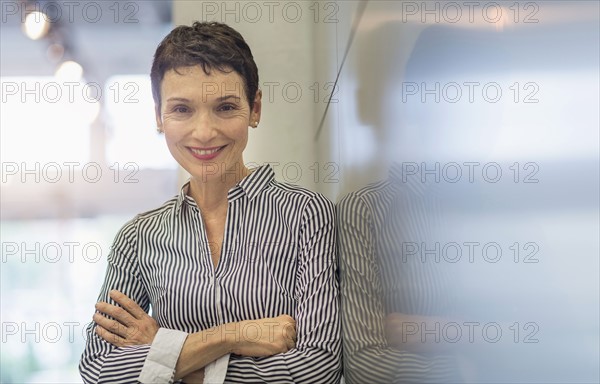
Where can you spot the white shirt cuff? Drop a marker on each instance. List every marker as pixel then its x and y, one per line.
pixel 215 372
pixel 159 366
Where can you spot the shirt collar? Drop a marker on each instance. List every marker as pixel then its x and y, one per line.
pixel 250 186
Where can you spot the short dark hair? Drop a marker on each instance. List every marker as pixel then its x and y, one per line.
pixel 211 45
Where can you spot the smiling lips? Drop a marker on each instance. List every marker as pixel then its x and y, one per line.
pixel 206 153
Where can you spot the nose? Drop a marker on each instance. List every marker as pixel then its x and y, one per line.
pixel 205 128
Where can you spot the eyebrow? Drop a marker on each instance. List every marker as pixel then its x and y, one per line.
pixel 222 98
pixel 178 99
pixel 226 97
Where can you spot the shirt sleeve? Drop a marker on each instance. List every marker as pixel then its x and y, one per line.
pixel 367 356
pixel 214 373
pixel 317 356
pixel 102 362
pixel 162 357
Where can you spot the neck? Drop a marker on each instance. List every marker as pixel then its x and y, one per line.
pixel 211 193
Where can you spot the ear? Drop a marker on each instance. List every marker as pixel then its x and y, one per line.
pixel 256 110
pixel 159 125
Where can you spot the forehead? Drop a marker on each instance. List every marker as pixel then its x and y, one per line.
pixel 194 83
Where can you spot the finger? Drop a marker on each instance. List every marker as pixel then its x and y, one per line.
pixel 116 313
pixel 129 305
pixel 289 331
pixel 290 344
pixel 110 325
pixel 290 336
pixel 110 337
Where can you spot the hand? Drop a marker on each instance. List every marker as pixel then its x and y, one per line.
pixel 131 324
pixel 417 333
pixel 263 337
pixel 196 377
pixel 405 331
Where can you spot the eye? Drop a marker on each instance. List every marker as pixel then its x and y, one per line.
pixel 181 109
pixel 227 107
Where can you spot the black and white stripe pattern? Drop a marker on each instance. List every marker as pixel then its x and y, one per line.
pixel 377 278
pixel 278 257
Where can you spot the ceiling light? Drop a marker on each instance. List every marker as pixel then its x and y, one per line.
pixel 36 25
pixel 69 71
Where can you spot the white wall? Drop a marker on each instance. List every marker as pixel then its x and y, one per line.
pixel 282 39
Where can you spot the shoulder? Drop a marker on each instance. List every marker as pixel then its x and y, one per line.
pixel 296 190
pixel 166 209
pixel 304 198
pixel 294 195
pixel 151 217
pixel 369 197
pixel 125 243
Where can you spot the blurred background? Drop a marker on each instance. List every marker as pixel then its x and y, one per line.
pixel 497 102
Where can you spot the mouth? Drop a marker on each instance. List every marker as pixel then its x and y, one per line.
pixel 206 153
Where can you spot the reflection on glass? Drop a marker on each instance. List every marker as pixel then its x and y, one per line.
pixel 475 215
pixel 397 299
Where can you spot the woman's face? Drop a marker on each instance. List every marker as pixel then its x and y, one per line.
pixel 205 120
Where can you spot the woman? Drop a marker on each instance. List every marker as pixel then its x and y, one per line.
pixel 239 269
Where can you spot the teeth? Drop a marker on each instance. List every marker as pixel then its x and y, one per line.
pixel 203 152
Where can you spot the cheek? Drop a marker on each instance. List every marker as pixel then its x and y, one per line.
pixel 173 130
pixel 243 138
pixel 169 138
pixel 172 138
pixel 238 132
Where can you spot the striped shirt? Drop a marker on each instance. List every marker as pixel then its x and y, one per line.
pixel 278 257
pixel 378 228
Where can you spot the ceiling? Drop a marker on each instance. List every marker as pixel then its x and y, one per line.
pixel 105 37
